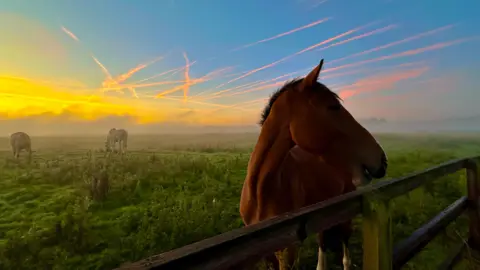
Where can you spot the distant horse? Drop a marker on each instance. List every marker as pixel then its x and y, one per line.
pixel 21 141
pixel 114 136
pixel 310 149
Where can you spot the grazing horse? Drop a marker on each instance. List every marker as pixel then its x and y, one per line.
pixel 114 136
pixel 310 149
pixel 21 141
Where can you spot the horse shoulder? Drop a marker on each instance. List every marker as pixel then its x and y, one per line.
pixel 279 191
pixel 271 197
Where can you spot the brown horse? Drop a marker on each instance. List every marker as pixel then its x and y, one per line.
pixel 310 149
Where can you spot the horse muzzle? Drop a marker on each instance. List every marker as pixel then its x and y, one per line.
pixel 380 172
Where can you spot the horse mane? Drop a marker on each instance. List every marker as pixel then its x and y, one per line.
pixel 288 86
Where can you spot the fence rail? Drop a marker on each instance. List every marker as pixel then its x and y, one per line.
pixel 372 202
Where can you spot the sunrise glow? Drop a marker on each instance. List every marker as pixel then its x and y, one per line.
pixel 64 71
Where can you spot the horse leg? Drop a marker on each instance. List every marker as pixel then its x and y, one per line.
pixel 29 150
pixel 322 255
pixel 346 232
pixel 339 236
pixel 286 258
pixel 346 257
pixel 336 239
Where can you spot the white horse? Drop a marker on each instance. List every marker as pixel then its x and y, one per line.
pixel 21 141
pixel 114 136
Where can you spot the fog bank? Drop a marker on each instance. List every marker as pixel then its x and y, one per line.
pixel 63 127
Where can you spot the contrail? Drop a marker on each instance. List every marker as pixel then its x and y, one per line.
pixel 69 33
pixel 405 53
pixel 319 3
pixel 397 55
pixel 257 87
pixel 297 53
pixel 431 32
pixel 194 102
pixel 131 72
pixel 109 81
pixel 256 83
pixel 236 105
pixel 282 34
pixel 165 73
pixel 103 68
pixel 187 77
pixel 225 90
pixel 374 32
pixel 191 82
pixel 122 86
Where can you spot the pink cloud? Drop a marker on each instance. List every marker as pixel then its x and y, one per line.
pixel 380 82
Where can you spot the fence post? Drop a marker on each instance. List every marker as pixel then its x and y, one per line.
pixel 377 234
pixel 473 190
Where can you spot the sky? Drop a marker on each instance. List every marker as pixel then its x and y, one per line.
pixel 152 64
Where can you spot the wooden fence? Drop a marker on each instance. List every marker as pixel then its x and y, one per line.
pixel 230 248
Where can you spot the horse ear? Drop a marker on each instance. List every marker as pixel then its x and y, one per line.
pixel 312 77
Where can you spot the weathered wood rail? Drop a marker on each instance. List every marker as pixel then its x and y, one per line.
pixel 230 248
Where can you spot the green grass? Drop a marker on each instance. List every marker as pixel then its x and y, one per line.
pixel 169 191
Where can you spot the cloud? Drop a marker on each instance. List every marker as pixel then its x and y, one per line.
pixel 380 82
pixel 411 100
pixel 23 98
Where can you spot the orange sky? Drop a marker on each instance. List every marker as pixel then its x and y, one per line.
pixel 34 82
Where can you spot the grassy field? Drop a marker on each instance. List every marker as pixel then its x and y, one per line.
pixel 172 190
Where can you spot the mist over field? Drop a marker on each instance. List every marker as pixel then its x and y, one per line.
pixel 65 127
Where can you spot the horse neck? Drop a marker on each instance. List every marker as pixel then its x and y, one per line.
pixel 335 158
pixel 274 143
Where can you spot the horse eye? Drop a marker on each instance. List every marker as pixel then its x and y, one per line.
pixel 335 107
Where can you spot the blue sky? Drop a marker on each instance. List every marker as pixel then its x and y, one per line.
pixel 123 34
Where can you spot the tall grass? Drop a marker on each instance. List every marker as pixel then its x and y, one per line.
pixel 161 199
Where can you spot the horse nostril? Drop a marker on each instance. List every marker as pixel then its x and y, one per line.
pixel 382 170
pixel 384 160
